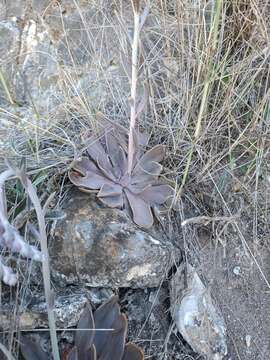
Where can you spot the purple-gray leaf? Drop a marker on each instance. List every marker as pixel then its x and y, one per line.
pixel 148 168
pixel 117 155
pixel 91 180
pixel 104 318
pixel 141 210
pixel 115 340
pixel 110 190
pixel 157 195
pixel 143 138
pixel 95 150
pixel 156 154
pixel 85 165
pixel 113 201
pixel 31 350
pixel 106 168
pixel 85 334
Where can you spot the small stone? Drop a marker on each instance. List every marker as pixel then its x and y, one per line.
pixel 237 270
pixel 248 341
pixel 102 247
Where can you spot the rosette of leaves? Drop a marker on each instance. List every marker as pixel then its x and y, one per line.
pixel 104 170
pixel 99 336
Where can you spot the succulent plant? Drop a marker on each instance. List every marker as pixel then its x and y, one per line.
pixel 10 238
pixel 122 175
pixel 99 336
pixel 105 171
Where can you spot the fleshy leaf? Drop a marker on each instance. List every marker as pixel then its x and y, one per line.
pixel 143 138
pixel 95 150
pixel 32 350
pixel 157 195
pixel 117 155
pixel 110 190
pixel 88 168
pixel 91 180
pixel 142 181
pixel 84 339
pixel 106 168
pixel 149 168
pixel 156 154
pixel 85 165
pixel 104 318
pixel 113 201
pixel 115 340
pixel 142 214
pixel 132 352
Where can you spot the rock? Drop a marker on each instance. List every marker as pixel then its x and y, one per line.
pixel 14 8
pixel 10 41
pixel 48 55
pixel 196 317
pixel 102 247
pixel 68 308
pixel 9 48
pixel 38 76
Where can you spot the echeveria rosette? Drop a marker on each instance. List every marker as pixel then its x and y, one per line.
pixel 105 171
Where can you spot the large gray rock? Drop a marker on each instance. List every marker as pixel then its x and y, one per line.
pixel 49 55
pixel 102 247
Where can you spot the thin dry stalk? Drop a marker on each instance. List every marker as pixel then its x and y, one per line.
pixel 134 78
pixel 5 86
pixel 29 188
pixel 6 352
pixel 31 191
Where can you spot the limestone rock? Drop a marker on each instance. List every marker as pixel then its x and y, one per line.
pixel 9 48
pixel 102 247
pixel 195 315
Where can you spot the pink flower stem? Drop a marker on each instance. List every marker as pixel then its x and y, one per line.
pixel 133 96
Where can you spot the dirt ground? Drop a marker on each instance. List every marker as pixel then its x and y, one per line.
pixel 232 256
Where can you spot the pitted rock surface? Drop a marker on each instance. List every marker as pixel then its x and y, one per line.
pixel 102 247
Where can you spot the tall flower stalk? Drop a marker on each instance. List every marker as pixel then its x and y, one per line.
pixel 124 175
pixel 134 77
